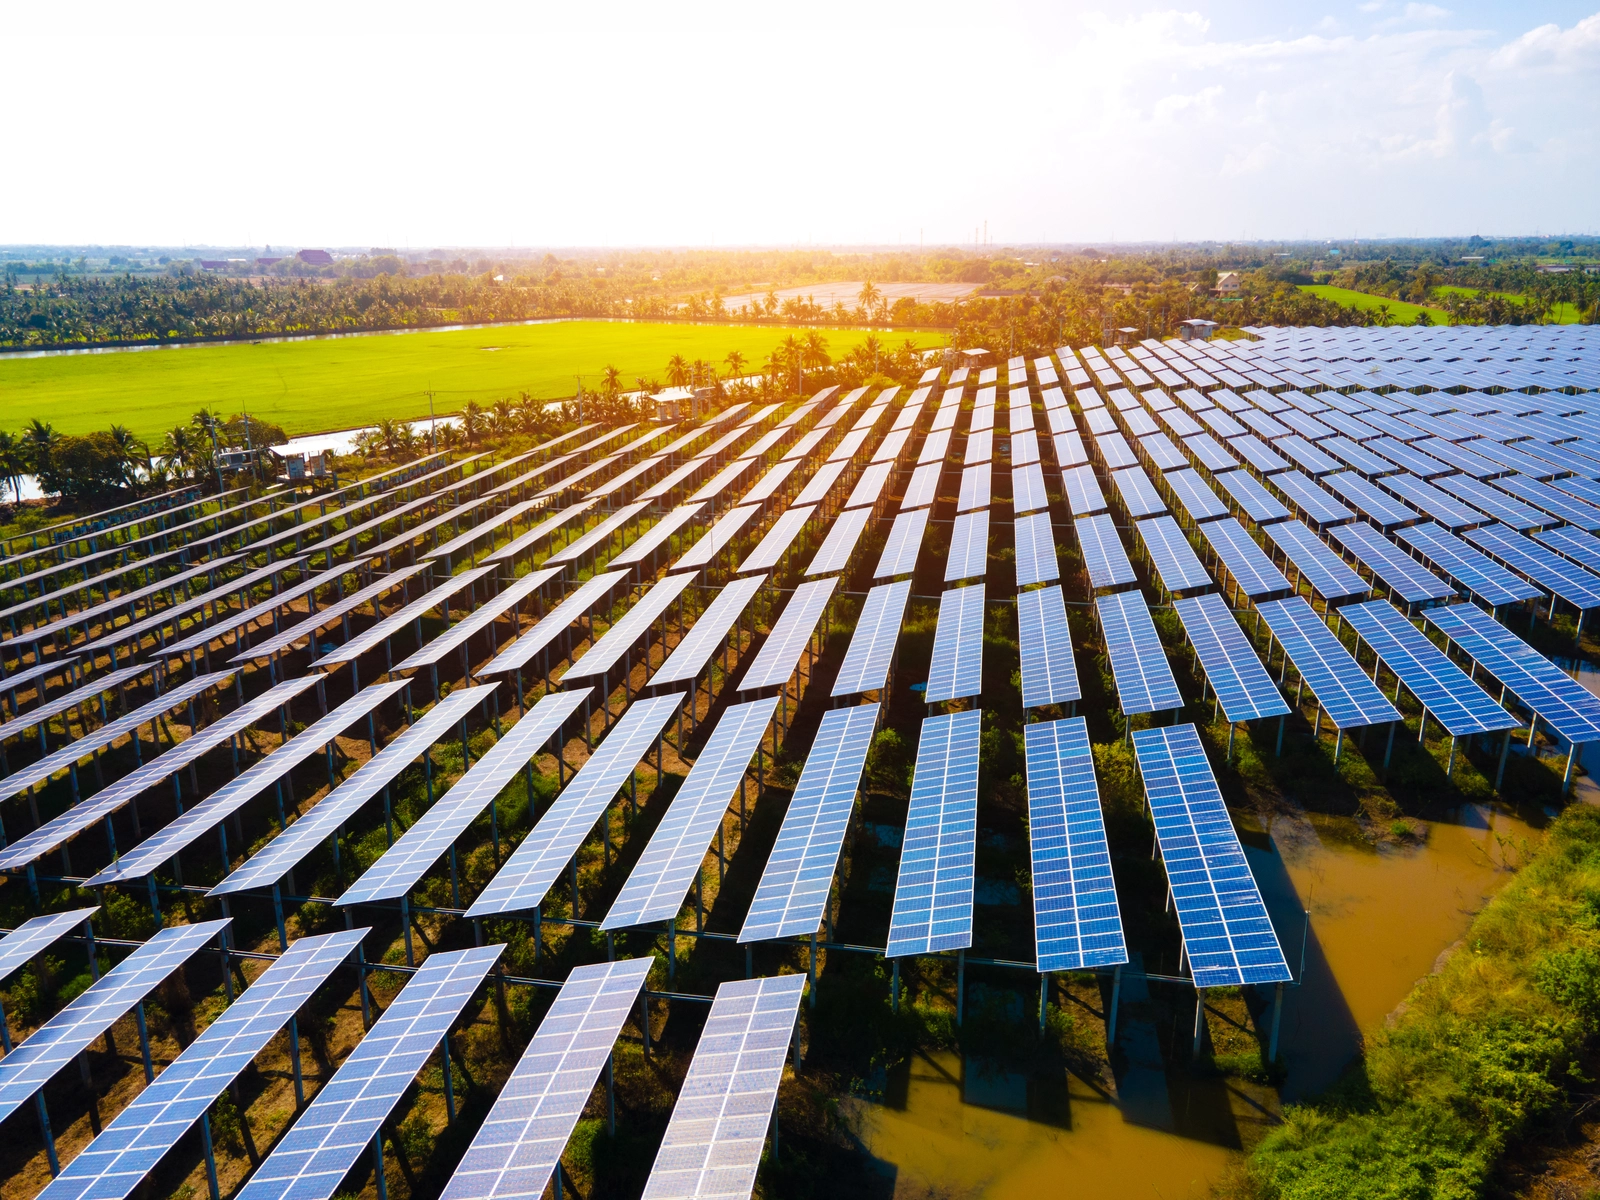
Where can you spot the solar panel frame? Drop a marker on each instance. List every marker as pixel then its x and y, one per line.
pixel 903 545
pixel 923 487
pixel 776 660
pixel 975 487
pixel 1076 920
pixel 548 628
pixel 968 555
pixel 1084 496
pixel 38 933
pixel 1036 560
pixel 1103 555
pixel 840 543
pixel 1466 567
pixel 709 631
pixel 1139 666
pixel 956 669
pixel 1254 573
pixel 769 551
pixel 934 888
pixel 1504 508
pixel 1028 492
pixel 1540 564
pixel 1444 689
pixel 1138 494
pixel 1260 505
pixel 536 863
pixel 1240 681
pixel 877 630
pixel 1227 933
pixel 1350 698
pixel 1176 565
pixel 337 1127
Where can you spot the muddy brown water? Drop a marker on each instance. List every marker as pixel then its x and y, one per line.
pixel 1380 918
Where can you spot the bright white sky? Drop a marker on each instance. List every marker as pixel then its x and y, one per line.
pixel 412 125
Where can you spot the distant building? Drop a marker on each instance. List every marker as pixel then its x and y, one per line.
pixel 213 264
pixel 267 262
pixel 1228 284
pixel 1196 329
pixel 1554 269
pixel 315 258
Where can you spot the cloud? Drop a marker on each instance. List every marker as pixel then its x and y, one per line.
pixel 1549 47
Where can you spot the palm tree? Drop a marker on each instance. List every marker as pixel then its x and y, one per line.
pixel 793 357
pixel 134 452
pixel 504 417
pixel 678 371
pixel 38 440
pixel 180 449
pixel 735 362
pixel 815 350
pixel 13 462
pixel 610 381
pixel 869 296
pixel 472 422
pixel 389 434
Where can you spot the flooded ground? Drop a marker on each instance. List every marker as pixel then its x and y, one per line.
pixel 1380 918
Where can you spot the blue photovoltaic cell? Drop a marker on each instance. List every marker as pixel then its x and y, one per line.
pixel 1412 459
pixel 794 628
pixel 1247 562
pixel 1465 567
pixel 1351 426
pixel 709 631
pixel 1197 498
pixel 1103 555
pixel 1027 488
pixel 933 894
pixel 1176 563
pixel 1358 458
pixel 527 875
pixel 834 553
pixel 1138 663
pixel 974 487
pixel 655 537
pixel 1445 509
pixel 1083 491
pixel 1307 457
pixel 713 1143
pixel 1582 548
pixel 1258 454
pixel 319 1149
pixel 1249 494
pixel 1310 499
pixel 923 487
pixel 1036 550
pixel 1543 566
pixel 1304 424
pixel 1181 423
pixel 1115 451
pixel 719 538
pixel 611 648
pixel 1512 459
pixel 1076 922
pixel 1226 931
pixel 1443 688
pixel 1162 453
pixel 34 935
pixel 1223 425
pixel 284 852
pixel 866 662
pixel 656 887
pixel 1242 684
pixel 535 1111
pixel 1049 674
pixel 402 866
pixel 1351 699
pixel 552 625
pixel 64 1036
pixel 1475 465
pixel 957 666
pixel 1139 495
pixel 905 541
pixel 1570 708
pixel 771 549
pixel 969 547
pixel 117 1161
pixel 1263 424
pixel 230 797
pixel 1548 499
pixel 1325 571
pixel 793 894
pixel 1069 449
pixel 1395 569
pixel 496 606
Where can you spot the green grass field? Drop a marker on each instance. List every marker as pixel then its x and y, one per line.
pixel 1403 313
pixel 1565 314
pixel 338 383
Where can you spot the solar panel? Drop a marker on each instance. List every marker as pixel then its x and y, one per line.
pixel 1307 457
pixel 957 666
pixel 781 652
pixel 319 1149
pixel 325 616
pixel 1101 423
pixel 111 799
pixel 969 547
pixel 793 894
pixel 1545 567
pixel 1582 548
pixel 1249 494
pixel 893 444
pixel 21 779
pixel 1465 567
pixel 181 605
pixel 1024 443
pixel 1222 424
pixel 1443 688
pixel 821 483
pixel 1263 424
pixel 228 799
pixel 1138 663
pixel 1258 454
pixel 115 606
pixel 1197 499
pixel 1316 504
pixel 714 1140
pixel 1076 922
pixel 905 541
pixel 1036 550
pixel 933 894
pixel 935 447
pixel 980 444
pixel 836 549
pixel 1351 699
pixel 1069 450
pixel 974 487
pixel 64 1036
pixel 488 525
pixel 923 487
pixel 1083 491
pixel 551 626
pixel 770 550
pixel 657 536
pixel 767 486
pixel 1174 559
pixel 487 613
pixel 709 631
pixel 718 538
pixel 521 1140
pixel 1162 453
pixel 1226 930
pixel 113 1165
pixel 1570 708
pixel 536 864
pixel 656 887
pixel 403 865
pixel 1181 423
pixel 1027 488
pixel 1253 572
pixel 1496 503
pixel 543 529
pixel 1412 459
pixel 280 855
pixel 1512 459
pixel 1237 676
pixel 32 936
pixel 1444 509
pixel 387 627
pixel 1548 499
pixel 1103 555
pixel 877 629
pixel 1138 494
pixel 1349 425
pixel 1396 570
pixel 599 536
pixel 869 488
pixel 1574 485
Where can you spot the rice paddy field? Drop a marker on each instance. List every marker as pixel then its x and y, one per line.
pixel 316 384
pixel 1403 313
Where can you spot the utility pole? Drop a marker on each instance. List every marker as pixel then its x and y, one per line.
pixel 433 438
pixel 216 451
